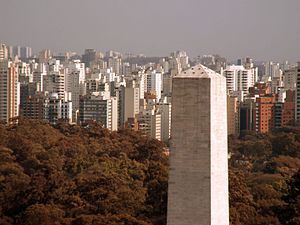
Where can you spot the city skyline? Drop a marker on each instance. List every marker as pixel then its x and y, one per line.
pixel 263 30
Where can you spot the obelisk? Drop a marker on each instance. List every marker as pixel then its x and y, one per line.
pixel 198 176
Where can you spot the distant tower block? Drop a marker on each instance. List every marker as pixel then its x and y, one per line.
pixel 198 178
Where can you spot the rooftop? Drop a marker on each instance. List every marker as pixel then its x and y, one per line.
pixel 198 71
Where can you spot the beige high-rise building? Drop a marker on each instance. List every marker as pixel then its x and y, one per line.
pixel 131 102
pixel 150 123
pixel 9 90
pixel 198 176
pixel 290 78
pixel 165 110
pixel 3 51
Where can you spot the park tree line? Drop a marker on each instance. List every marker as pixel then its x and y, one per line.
pixel 72 175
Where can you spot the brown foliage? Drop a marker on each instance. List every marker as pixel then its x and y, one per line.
pixel 80 175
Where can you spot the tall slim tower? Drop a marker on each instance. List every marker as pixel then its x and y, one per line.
pixel 9 90
pixel 198 178
pixel 297 99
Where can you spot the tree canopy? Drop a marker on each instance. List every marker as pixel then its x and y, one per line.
pixel 72 175
pixel 80 175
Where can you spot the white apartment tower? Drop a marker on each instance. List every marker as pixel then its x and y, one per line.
pixel 239 79
pixel 150 123
pixel 154 83
pixel 198 176
pixel 3 51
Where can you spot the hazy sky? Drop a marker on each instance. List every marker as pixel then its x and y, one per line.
pixel 261 29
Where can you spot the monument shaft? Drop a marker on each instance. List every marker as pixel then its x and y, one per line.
pixel 198 178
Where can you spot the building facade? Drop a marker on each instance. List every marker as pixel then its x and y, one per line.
pixel 9 90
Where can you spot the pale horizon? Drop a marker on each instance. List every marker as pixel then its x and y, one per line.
pixel 262 30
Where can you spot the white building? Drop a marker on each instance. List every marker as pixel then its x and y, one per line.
pixel 154 83
pixel 238 78
pixel 75 78
pixel 25 73
pixel 3 51
pixel 38 76
pixel 77 66
pixel 56 108
pixel 72 85
pixel 149 121
pixel 141 81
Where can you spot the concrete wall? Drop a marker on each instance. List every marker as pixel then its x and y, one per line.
pixel 198 178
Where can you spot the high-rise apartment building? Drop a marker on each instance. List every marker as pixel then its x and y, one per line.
pixel 58 109
pixel 3 51
pixel 265 113
pixel 290 78
pixel 154 83
pixel 9 90
pixel 288 109
pixel 75 82
pixel 100 109
pixel 297 97
pixel 115 63
pixel 233 115
pixel 44 55
pixel 25 53
pixel 165 111
pixel 240 79
pixel 247 112
pixel 198 176
pixel 149 122
pixel 33 107
pixel 55 83
pixel 17 51
pixel 89 56
pixel 272 69
pixel 167 84
pixel 129 102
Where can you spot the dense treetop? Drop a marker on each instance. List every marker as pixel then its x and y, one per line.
pixel 80 175
pixel 265 178
pixel 75 175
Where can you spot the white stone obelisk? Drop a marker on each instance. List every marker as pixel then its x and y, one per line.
pixel 198 177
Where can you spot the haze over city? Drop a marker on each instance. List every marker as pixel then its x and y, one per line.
pixel 263 30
